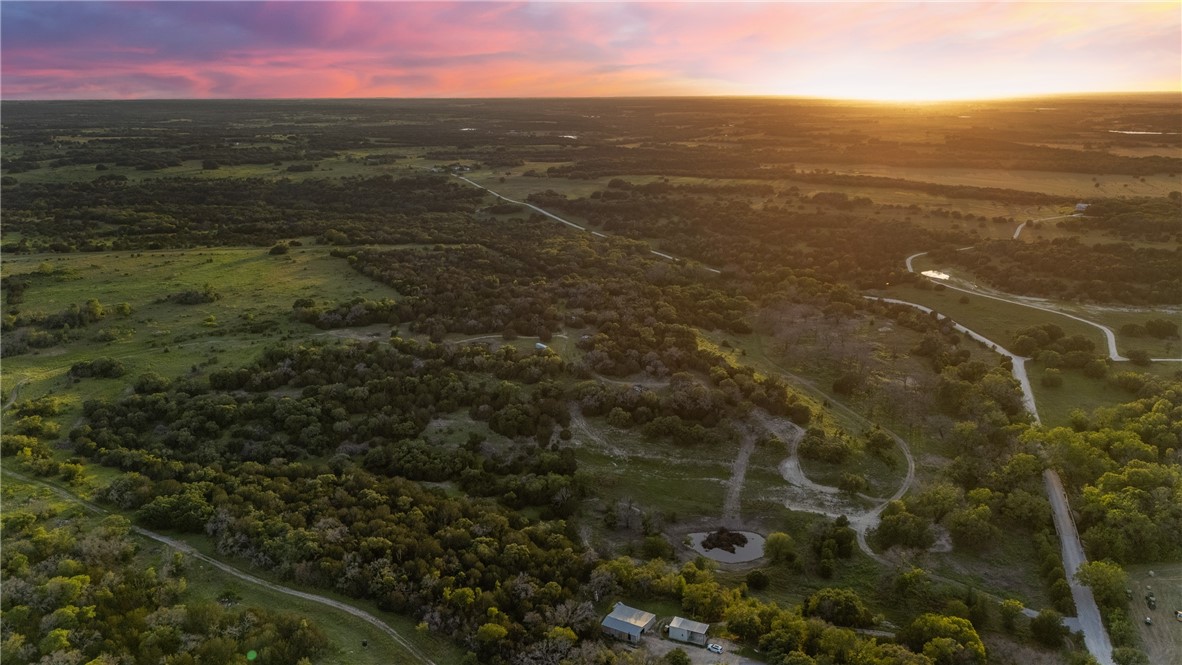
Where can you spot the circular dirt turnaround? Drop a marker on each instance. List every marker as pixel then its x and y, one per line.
pixel 742 554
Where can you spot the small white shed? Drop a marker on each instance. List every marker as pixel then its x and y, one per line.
pixel 685 630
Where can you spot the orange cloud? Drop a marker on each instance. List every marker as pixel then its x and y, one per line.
pixel 366 49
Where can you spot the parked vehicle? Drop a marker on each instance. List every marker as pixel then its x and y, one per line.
pixel 716 648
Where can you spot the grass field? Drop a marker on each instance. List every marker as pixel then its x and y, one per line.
pixel 658 477
pixel 999 321
pixel 256 289
pixel 1113 317
pixel 1162 640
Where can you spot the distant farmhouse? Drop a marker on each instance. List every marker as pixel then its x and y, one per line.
pixel 685 630
pixel 1081 207
pixel 627 623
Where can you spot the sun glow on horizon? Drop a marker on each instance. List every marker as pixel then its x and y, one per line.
pixel 874 51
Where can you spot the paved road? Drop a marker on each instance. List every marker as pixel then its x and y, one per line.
pixel 231 570
pixel 1095 636
pixel 1089 622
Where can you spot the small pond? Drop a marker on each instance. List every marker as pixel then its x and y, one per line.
pixel 742 554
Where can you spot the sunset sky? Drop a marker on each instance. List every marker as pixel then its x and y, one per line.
pixel 105 50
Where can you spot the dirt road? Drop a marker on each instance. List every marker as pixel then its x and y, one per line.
pixel 567 221
pixel 734 488
pixel 1018 363
pixel 1109 335
pixel 1095 636
pixel 231 570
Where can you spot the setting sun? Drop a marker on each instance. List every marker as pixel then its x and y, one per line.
pixel 883 51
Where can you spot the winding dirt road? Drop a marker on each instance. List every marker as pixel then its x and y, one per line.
pixel 231 570
pixel 825 500
pixel 1109 335
pixel 12 395
pixel 1095 636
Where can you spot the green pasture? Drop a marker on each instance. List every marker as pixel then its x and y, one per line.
pixel 1113 317
pixel 658 476
pixel 257 291
pixel 995 319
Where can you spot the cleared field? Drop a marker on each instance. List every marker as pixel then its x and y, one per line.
pixel 1055 405
pixel 254 310
pixel 512 183
pixel 1163 639
pixel 655 476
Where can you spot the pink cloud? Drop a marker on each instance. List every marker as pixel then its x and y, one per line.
pixel 361 49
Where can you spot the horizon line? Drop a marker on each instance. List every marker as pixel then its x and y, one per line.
pixel 868 100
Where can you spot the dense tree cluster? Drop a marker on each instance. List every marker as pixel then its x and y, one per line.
pixel 1123 462
pixel 184 212
pixel 758 243
pixel 77 590
pixel 1068 269
pixel 356 312
pixel 1130 220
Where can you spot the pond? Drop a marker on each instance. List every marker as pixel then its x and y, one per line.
pixel 742 554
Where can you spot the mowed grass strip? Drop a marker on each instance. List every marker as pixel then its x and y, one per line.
pixel 1162 640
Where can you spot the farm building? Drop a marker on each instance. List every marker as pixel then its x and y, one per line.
pixel 1081 207
pixel 627 623
pixel 685 630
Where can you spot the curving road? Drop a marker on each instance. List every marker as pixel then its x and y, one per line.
pixel 1095 635
pixel 1018 363
pixel 1109 335
pixel 12 395
pixel 861 522
pixel 231 570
